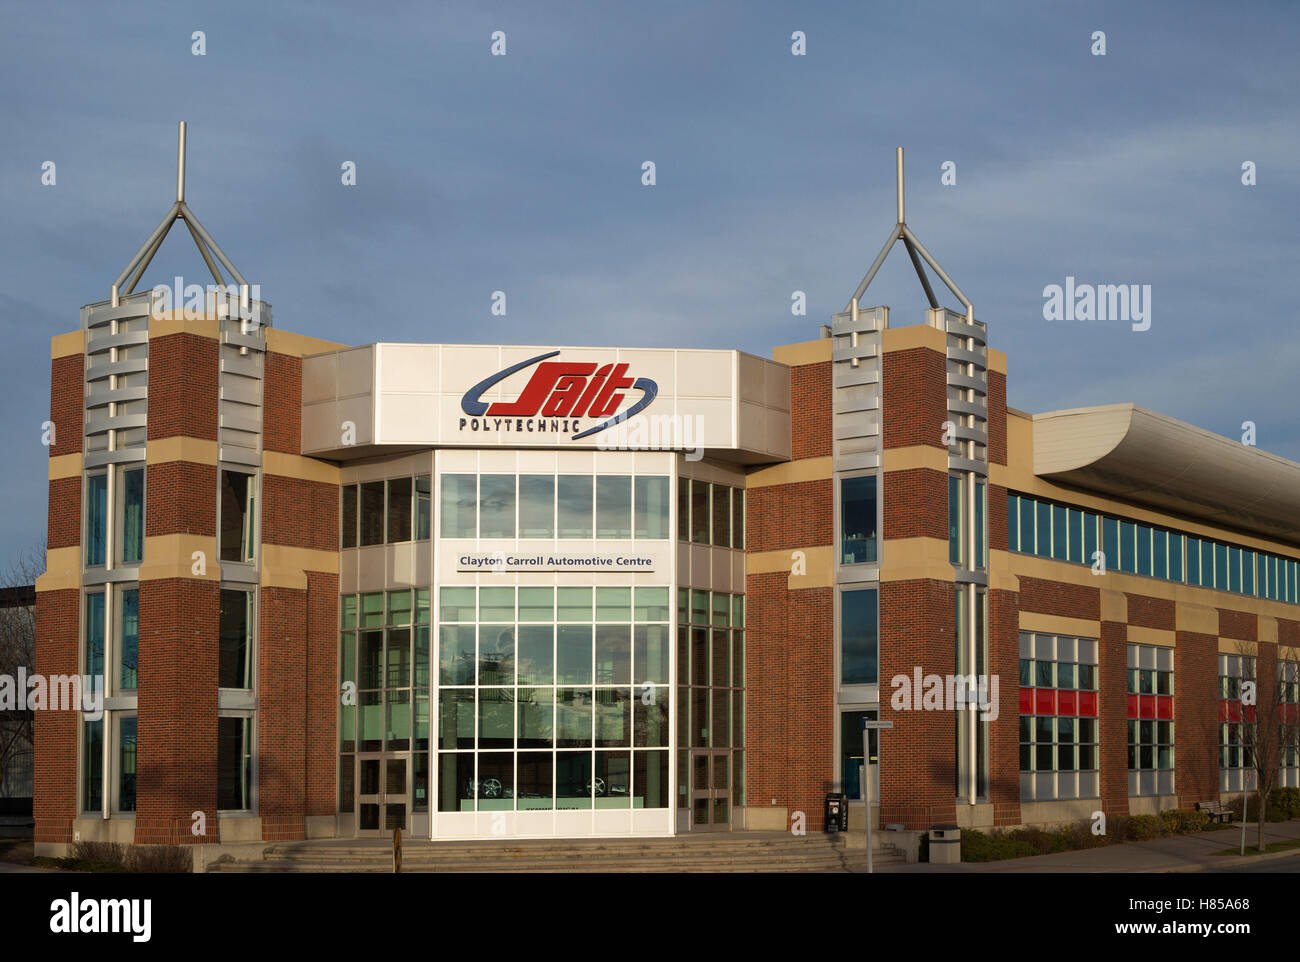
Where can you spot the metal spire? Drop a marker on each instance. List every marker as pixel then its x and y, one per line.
pixel 202 239
pixel 916 251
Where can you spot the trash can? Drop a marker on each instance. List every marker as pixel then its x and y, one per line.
pixel 836 814
pixel 945 845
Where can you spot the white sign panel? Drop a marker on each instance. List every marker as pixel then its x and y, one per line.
pixel 500 562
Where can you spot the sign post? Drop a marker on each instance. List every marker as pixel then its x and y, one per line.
pixel 865 778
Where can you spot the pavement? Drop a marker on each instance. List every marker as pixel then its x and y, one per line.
pixel 1183 853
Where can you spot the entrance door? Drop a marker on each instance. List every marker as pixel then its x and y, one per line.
pixel 710 790
pixel 383 794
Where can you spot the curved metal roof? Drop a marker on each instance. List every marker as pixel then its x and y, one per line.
pixel 1128 452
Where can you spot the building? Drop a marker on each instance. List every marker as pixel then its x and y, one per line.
pixel 480 590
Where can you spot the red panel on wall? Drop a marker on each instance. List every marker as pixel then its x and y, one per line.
pixel 1132 706
pixel 1088 704
pixel 1223 710
pixel 1146 706
pixel 1026 701
pixel 1044 701
pixel 1067 703
pixel 1165 707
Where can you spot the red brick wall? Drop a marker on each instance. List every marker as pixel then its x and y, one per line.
pixel 1196 718
pixel 183 387
pixel 915 504
pixel 1059 598
pixel 282 403
pixel 67 403
pixel 1238 624
pixel 914 397
pixel 303 514
pixel 177 762
pixel 55 768
pixel 1004 732
pixel 998 536
pixel 1147 612
pixel 182 499
pixel 282 744
pixel 64 522
pixel 790 516
pixel 1112 721
pixel 997 402
pixel 810 410
pixel 917 756
pixel 789 699
pixel 1288 632
pixel 322 692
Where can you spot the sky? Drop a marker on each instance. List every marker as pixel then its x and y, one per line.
pixel 774 173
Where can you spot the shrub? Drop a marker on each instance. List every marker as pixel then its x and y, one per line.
pixel 1180 821
pixel 100 856
pixel 978 847
pixel 1285 802
pixel 1042 842
pixel 160 859
pixel 1080 834
pixel 1142 828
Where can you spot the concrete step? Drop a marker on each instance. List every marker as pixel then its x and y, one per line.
pixel 851 863
pixel 730 853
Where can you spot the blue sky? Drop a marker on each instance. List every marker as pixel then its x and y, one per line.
pixel 775 173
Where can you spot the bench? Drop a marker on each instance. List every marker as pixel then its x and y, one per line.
pixel 1215 810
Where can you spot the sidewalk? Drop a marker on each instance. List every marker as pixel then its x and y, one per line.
pixel 1184 853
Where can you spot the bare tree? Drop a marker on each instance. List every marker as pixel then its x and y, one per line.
pixel 18 650
pixel 1270 720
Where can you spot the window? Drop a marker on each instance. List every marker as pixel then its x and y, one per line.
pixel 348 516
pixel 1237 724
pixel 1058 717
pixel 422 491
pixel 574 505
pixel 128 644
pixel 132 538
pixel 684 509
pixel 399 510
pixel 858 637
pixel 721 516
pixel 94 651
pixel 738 519
pixel 234 762
pixel 545 689
pixel 1288 673
pixel 651 508
pixel 496 506
pixel 613 506
pixel 459 506
pixel 851 754
pixel 1150 720
pixel 96 518
pixel 536 506
pixel 956 514
pixel 699 511
pixel 235 660
pixel 858 520
pixel 126 762
pixel 92 765
pixel 238 516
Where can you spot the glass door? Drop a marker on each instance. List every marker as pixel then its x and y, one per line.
pixel 383 794
pixel 710 790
